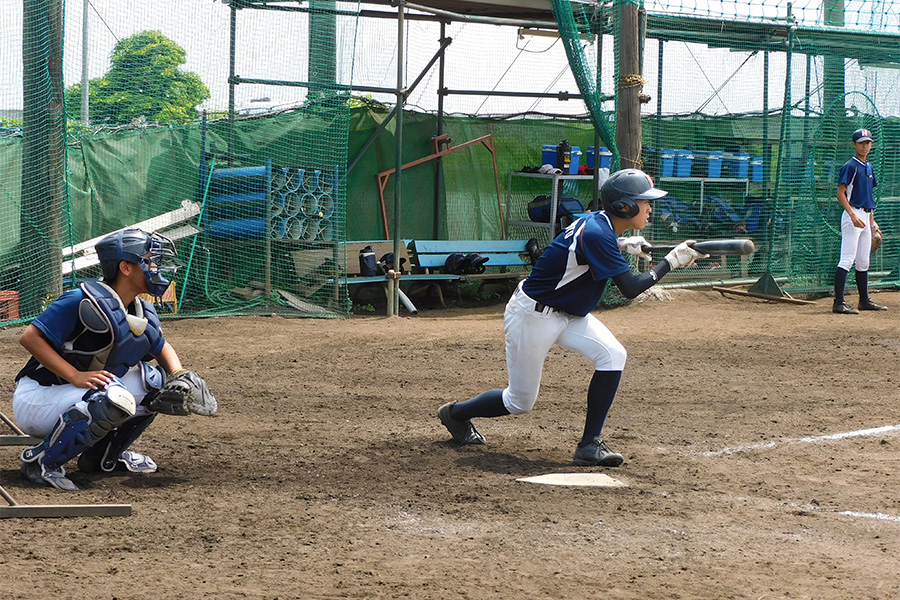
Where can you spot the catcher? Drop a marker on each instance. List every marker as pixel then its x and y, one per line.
pixel 88 389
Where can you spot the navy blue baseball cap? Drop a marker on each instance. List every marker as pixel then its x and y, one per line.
pixel 862 135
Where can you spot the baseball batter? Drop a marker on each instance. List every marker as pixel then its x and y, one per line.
pixel 553 305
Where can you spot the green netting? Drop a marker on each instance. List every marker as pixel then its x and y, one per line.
pixel 255 132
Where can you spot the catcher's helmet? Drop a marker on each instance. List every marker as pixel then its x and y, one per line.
pixel 155 254
pixel 619 194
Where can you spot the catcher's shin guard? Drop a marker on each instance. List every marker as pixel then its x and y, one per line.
pixel 104 455
pixel 83 425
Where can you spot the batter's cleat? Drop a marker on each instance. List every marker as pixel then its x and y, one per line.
pixel 463 432
pixel 36 473
pixel 869 305
pixel 842 308
pixel 597 453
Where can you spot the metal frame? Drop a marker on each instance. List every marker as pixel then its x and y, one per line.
pixel 486 140
pixel 16 510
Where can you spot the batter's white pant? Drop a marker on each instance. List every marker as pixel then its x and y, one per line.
pixel 529 336
pixel 37 407
pixel 856 243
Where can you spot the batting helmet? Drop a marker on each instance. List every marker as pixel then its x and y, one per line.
pixel 619 194
pixel 155 254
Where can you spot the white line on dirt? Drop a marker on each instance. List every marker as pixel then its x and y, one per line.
pixel 878 516
pixel 807 440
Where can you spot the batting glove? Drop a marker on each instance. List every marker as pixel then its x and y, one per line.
pixel 636 245
pixel 683 255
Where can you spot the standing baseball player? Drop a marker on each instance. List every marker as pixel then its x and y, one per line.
pixel 856 193
pixel 553 305
pixel 82 388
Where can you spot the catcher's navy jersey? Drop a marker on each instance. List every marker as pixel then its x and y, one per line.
pixel 859 177
pixel 60 323
pixel 572 272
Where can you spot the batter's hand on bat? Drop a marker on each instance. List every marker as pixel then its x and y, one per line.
pixel 636 245
pixel 683 255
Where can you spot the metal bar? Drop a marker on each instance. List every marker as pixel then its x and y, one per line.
pixel 7 497
pixel 394 296
pixel 439 166
pixel 235 79
pixel 11 425
pixel 561 96
pixel 387 120
pixel 486 20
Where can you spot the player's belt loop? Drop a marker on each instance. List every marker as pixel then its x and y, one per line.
pixel 539 307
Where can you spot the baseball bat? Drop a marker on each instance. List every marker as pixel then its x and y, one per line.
pixel 739 247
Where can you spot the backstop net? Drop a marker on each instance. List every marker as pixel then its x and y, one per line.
pixel 259 133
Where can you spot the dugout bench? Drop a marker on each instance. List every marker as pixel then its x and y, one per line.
pixel 508 261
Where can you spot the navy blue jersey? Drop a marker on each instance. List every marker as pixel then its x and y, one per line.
pixel 573 271
pixel 859 177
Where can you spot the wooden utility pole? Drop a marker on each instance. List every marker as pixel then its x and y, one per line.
pixel 630 85
pixel 833 87
pixel 44 207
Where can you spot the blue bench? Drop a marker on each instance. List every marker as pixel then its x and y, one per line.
pixel 508 260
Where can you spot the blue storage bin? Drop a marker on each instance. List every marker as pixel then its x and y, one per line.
pixel 604 154
pixel 668 163
pixel 683 161
pixel 714 164
pixel 548 154
pixel 756 169
pixel 737 164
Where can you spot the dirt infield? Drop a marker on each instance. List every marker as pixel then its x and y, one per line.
pixel 753 466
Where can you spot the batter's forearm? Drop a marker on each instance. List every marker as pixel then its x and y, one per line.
pixel 632 285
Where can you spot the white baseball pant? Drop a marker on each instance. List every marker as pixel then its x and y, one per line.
pixel 856 243
pixel 529 336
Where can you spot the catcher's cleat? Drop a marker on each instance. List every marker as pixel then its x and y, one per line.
pixel 38 474
pixel 136 462
pixel 463 432
pixel 597 453
pixel 869 305
pixel 842 308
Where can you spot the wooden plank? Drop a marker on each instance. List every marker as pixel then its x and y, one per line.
pixel 89 258
pixel 188 209
pixel 18 440
pixel 65 510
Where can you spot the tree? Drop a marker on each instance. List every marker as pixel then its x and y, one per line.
pixel 144 80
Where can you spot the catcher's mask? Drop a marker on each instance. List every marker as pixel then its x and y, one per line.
pixel 155 253
pixel 619 194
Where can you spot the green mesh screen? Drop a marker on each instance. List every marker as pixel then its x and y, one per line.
pixel 254 133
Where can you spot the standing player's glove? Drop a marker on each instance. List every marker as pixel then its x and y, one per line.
pixel 184 392
pixel 636 245
pixel 683 255
pixel 877 238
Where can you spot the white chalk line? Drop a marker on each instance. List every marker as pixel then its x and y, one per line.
pixel 805 440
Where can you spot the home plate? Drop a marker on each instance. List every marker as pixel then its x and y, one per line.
pixel 582 479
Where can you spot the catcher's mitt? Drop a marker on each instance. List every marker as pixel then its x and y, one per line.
pixel 183 393
pixel 876 239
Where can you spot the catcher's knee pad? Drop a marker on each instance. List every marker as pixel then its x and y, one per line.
pixel 83 425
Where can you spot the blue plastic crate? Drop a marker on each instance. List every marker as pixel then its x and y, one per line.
pixel 683 161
